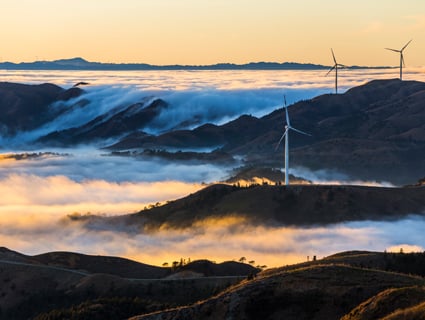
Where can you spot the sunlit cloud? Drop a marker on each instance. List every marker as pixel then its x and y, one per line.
pixel 220 240
pixel 26 195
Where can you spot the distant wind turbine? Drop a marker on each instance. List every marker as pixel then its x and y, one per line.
pixel 335 66
pixel 401 58
pixel 286 136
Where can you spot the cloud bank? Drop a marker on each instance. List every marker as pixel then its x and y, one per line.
pixel 218 240
pixel 38 194
pixel 195 97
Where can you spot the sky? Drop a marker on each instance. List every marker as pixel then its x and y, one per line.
pixel 212 31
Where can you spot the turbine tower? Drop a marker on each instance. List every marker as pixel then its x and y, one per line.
pixel 335 66
pixel 401 58
pixel 286 136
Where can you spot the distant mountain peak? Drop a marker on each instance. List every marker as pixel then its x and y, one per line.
pixel 77 61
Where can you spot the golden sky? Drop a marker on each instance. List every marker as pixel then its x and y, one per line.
pixel 212 31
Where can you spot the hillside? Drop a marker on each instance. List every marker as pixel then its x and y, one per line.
pixel 114 123
pixel 301 205
pixel 32 285
pixel 353 285
pixel 369 132
pixel 25 107
pixel 324 289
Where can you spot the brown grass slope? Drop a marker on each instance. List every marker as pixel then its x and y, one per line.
pixel 388 303
pixel 413 313
pixel 314 292
pixel 294 205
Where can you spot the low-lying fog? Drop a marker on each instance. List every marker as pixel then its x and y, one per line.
pixel 37 194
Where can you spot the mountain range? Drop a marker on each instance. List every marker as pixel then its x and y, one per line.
pixel 82 64
pixel 375 131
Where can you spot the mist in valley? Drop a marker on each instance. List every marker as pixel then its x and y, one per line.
pixel 40 195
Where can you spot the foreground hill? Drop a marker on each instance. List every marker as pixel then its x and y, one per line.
pixel 327 289
pixel 60 280
pixel 301 205
pixel 353 285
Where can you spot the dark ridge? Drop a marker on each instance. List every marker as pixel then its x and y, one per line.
pixel 295 205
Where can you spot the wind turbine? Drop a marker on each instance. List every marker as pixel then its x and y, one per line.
pixel 286 136
pixel 335 66
pixel 401 58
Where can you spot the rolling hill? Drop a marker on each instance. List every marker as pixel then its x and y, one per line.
pixel 327 289
pixel 299 205
pixel 33 285
pixel 347 285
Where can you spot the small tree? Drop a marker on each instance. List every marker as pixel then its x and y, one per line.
pixel 242 259
pixel 165 264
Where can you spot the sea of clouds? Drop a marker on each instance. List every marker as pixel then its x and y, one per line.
pixel 39 193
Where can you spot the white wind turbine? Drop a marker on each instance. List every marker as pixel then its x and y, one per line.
pixel 335 66
pixel 286 136
pixel 401 58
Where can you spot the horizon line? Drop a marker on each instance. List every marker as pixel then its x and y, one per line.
pixel 81 63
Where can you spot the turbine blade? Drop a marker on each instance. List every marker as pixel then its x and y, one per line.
pixel 333 55
pixel 299 131
pixel 280 140
pixel 287 117
pixel 392 50
pixel 406 45
pixel 330 70
pixel 284 101
pixel 402 59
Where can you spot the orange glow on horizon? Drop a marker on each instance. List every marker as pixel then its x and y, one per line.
pixel 207 32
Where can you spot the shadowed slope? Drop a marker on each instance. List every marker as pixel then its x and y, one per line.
pixel 301 205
